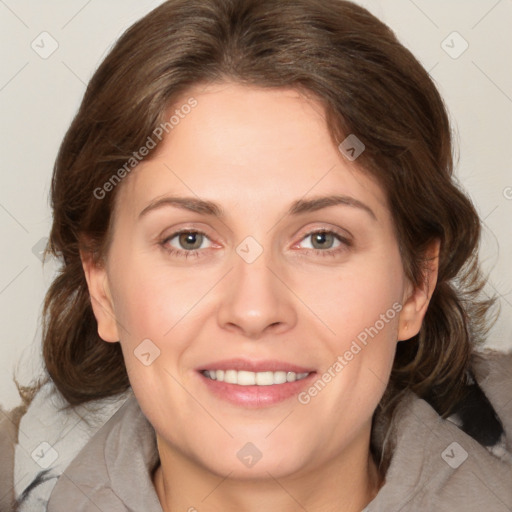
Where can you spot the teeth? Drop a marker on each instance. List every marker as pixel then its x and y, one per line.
pixel 245 378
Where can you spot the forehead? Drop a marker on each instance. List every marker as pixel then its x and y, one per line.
pixel 251 146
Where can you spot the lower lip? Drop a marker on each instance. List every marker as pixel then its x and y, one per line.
pixel 256 396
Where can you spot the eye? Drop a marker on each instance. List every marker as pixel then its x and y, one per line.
pixel 323 240
pixel 186 243
pixel 188 240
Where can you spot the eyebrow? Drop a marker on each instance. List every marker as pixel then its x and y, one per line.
pixel 318 203
pixel 298 207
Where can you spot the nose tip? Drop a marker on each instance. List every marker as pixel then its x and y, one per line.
pixel 255 302
pixel 254 323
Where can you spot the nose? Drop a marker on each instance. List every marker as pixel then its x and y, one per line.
pixel 256 300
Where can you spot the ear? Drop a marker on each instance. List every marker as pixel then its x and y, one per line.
pixel 101 298
pixel 416 299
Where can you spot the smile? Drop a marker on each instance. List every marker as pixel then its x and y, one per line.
pixel 247 378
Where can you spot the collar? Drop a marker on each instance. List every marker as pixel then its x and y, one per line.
pixel 114 471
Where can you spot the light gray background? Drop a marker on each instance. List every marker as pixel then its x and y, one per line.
pixel 39 97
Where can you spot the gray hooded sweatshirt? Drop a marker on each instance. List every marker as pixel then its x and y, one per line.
pixel 463 463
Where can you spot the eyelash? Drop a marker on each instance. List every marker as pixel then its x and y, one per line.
pixel 345 243
pixel 180 252
pixel 195 253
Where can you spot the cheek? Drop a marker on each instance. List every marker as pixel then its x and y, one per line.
pixel 361 295
pixel 156 304
pixel 360 305
pixel 150 299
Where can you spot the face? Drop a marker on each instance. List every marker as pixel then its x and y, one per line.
pixel 250 247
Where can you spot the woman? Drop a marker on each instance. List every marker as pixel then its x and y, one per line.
pixel 270 277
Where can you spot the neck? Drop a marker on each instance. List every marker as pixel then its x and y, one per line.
pixel 339 486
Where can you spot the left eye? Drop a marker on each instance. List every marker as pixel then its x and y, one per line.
pixel 322 240
pixel 189 240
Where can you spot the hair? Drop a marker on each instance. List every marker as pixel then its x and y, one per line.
pixel 369 84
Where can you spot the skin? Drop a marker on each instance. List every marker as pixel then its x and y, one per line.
pixel 254 152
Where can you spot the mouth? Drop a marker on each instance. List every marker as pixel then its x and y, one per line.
pixel 254 384
pixel 247 378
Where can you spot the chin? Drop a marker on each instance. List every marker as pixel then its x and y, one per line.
pixel 246 460
pixel 263 469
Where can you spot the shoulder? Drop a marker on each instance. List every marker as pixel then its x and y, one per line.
pixel 460 463
pixel 9 421
pixel 487 411
pixel 493 371
pixel 49 436
pixel 114 470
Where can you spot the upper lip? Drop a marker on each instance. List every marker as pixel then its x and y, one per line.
pixel 268 365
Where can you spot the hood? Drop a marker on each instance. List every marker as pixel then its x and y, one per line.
pixel 436 465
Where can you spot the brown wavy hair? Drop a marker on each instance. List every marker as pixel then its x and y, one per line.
pixel 369 84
